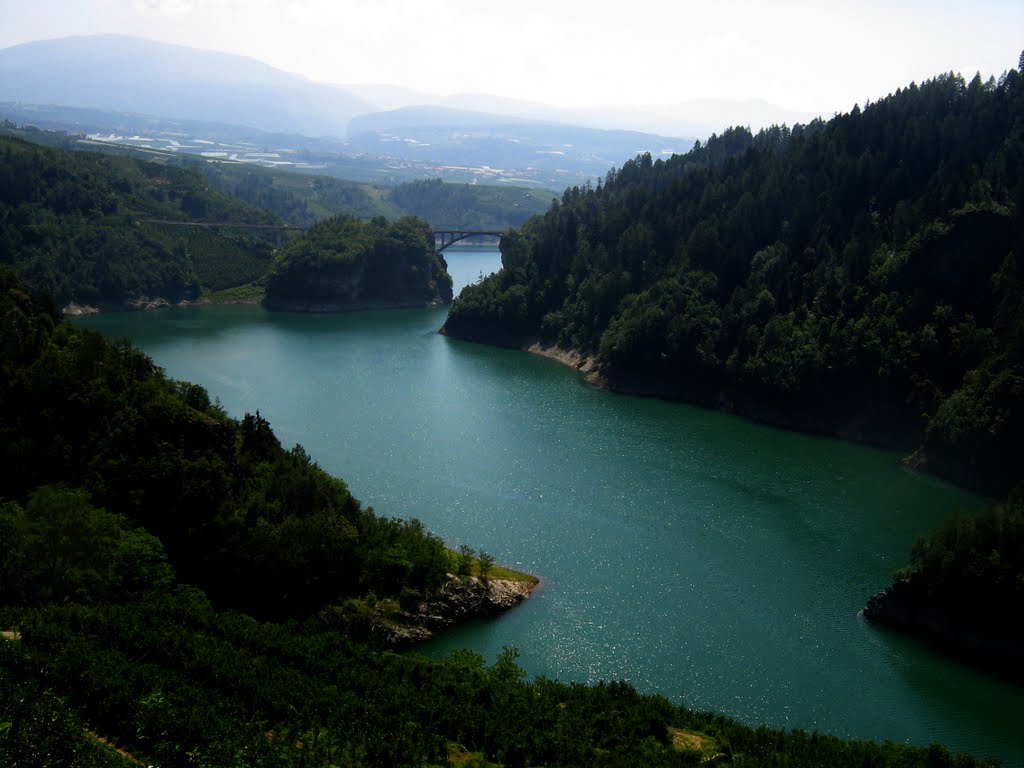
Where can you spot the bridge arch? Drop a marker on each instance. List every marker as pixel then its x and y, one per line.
pixel 451 236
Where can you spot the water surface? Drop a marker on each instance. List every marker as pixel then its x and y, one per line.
pixel 695 554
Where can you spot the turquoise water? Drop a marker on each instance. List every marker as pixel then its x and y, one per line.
pixel 695 554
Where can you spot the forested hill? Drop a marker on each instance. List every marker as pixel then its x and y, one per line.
pixel 123 491
pixel 260 527
pixel 73 226
pixel 344 263
pixel 859 277
pixel 303 200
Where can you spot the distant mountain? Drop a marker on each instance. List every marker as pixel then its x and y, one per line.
pixel 115 72
pixel 468 138
pixel 153 95
pixel 698 117
pixel 428 116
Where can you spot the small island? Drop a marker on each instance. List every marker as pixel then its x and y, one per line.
pixel 344 263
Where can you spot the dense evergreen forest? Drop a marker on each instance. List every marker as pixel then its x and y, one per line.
pixel 142 530
pixel 858 277
pixel 178 582
pixel 74 226
pixel 860 274
pixel 343 262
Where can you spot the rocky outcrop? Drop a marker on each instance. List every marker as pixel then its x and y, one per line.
pixel 460 599
pixel 74 309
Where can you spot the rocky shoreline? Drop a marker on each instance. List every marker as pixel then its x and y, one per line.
pixel 73 309
pixel 870 423
pixel 902 606
pixel 459 600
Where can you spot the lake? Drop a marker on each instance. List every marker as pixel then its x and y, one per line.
pixel 695 554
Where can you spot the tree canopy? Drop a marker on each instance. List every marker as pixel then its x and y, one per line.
pixel 141 529
pixel 346 262
pixel 75 226
pixel 93 435
pixel 859 276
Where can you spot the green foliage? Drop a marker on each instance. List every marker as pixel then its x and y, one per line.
pixel 84 228
pixel 60 548
pixel 486 562
pixel 220 259
pixel 973 565
pixel 856 272
pixel 39 730
pixel 302 200
pixel 69 224
pixel 178 683
pixel 347 262
pixel 469 206
pixel 260 527
pixel 464 566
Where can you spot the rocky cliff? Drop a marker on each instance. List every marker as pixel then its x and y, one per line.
pixel 459 600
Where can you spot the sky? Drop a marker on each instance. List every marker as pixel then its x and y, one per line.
pixel 820 56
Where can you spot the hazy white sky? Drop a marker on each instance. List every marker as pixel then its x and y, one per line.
pixel 813 55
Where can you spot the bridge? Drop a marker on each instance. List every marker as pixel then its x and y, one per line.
pixel 446 236
pixel 452 236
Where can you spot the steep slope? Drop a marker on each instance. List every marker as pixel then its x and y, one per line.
pixel 80 228
pixel 857 277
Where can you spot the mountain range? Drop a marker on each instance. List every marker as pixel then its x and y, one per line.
pixel 115 76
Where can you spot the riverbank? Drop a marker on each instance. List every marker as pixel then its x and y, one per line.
pixel 73 309
pixel 901 606
pixel 353 306
pixel 870 423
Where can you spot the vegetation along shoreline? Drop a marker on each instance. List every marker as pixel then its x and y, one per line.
pixel 859 278
pixel 180 580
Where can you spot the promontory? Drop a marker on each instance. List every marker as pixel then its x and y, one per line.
pixel 343 263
